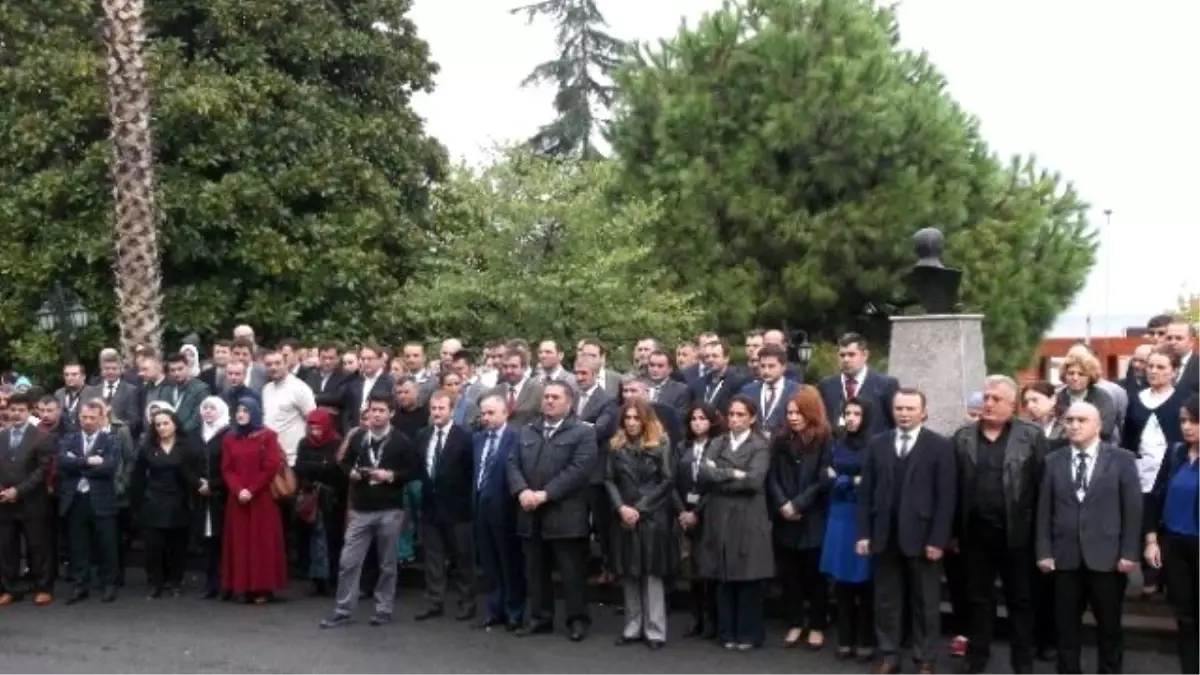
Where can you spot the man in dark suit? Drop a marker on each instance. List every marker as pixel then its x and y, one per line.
pixel 608 379
pixel 721 381
pixel 521 393
pixel 114 390
pixel 1000 460
pixel 495 513
pixel 372 380
pixel 772 391
pixel 447 478
pixel 88 460
pixel 598 408
pixel 327 380
pixel 71 394
pixel 214 374
pixel 858 381
pixel 663 388
pixel 25 456
pixel 185 393
pixel 905 519
pixel 1089 526
pixel 1181 338
pixel 548 473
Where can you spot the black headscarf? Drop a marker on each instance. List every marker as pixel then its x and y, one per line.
pixel 859 439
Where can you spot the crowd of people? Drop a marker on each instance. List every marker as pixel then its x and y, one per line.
pixel 500 466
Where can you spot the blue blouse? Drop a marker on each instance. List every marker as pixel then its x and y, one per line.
pixel 1180 515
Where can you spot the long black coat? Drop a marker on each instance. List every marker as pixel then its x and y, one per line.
pixel 802 479
pixel 163 484
pixel 641 478
pixel 206 464
pixel 736 541
pixel 561 466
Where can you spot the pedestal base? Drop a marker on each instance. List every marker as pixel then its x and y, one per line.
pixel 942 355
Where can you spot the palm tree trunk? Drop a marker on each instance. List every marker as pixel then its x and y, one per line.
pixel 135 220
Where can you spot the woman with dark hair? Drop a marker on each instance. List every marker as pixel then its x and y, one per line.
pixel 1173 532
pixel 703 425
pixel 1039 406
pixel 735 546
pixel 638 481
pixel 796 487
pixel 321 505
pixel 253 562
pixel 1152 427
pixel 163 482
pixel 851 573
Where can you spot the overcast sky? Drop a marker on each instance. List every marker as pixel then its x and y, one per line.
pixel 1099 91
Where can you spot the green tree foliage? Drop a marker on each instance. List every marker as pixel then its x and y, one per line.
pixel 531 246
pixel 796 148
pixel 581 73
pixel 294 177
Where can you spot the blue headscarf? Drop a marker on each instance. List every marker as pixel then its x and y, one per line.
pixel 256 416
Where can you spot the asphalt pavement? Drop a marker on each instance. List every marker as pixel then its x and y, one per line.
pixel 189 635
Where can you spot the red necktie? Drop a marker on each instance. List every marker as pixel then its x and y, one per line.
pixel 512 399
pixel 851 388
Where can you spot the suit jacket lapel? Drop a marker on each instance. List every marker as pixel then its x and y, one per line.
pixel 914 454
pixel 1103 455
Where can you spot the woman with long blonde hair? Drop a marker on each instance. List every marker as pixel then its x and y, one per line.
pixel 639 483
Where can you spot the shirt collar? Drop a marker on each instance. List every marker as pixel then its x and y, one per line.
pixel 859 377
pixel 912 433
pixel 1092 450
pixel 498 432
pixel 738 439
pixel 381 434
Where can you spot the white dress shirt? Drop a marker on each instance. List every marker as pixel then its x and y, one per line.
pixel 736 440
pixel 286 405
pixel 368 386
pixel 1089 464
pixel 901 451
pixel 431 447
pixel 775 388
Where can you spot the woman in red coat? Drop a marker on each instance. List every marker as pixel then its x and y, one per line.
pixel 253 561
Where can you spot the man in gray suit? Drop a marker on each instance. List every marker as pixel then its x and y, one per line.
pixel 664 389
pixel 609 380
pixel 1089 522
pixel 120 396
pixel 522 394
pixel 256 375
pixel 550 365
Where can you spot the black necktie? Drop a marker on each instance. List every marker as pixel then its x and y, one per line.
pixel 770 399
pixel 489 447
pixel 109 390
pixel 904 439
pixel 437 448
pixel 1081 482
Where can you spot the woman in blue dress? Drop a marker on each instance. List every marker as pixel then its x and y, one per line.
pixel 851 573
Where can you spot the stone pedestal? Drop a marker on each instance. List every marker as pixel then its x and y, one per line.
pixel 942 355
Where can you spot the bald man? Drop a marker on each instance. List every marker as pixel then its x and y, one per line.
pixel 1089 521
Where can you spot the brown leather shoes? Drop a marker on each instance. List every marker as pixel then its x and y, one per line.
pixel 6 599
pixel 43 599
pixel 926 669
pixel 885 668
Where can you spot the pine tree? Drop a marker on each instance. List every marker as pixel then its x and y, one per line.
pixel 587 56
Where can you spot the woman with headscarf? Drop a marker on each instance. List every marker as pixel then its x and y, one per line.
pixel 253 562
pixel 209 520
pixel 193 359
pixel 851 573
pixel 322 497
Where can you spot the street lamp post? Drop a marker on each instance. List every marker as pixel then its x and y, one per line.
pixel 799 338
pixel 63 313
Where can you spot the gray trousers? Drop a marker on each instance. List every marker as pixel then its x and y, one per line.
pixel 448 544
pixel 919 582
pixel 645 608
pixel 363 527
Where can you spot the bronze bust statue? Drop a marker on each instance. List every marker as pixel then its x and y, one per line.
pixel 933 285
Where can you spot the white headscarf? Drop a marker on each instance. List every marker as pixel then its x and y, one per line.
pixel 222 420
pixel 193 359
pixel 158 406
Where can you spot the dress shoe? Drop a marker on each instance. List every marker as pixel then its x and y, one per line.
pixel 533 629
pixel 465 614
pixel 655 645
pixel 1043 654
pixel 110 594
pixel 210 594
pixel 885 668
pixel 624 640
pixel 512 627
pixel 578 632
pixel 485 623
pixel 78 595
pixel 696 630
pixel 337 620
pixel 381 619
pixel 43 599
pixel 843 654
pixel 6 599
pixel 926 669
pixel 431 612
pixel 155 593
